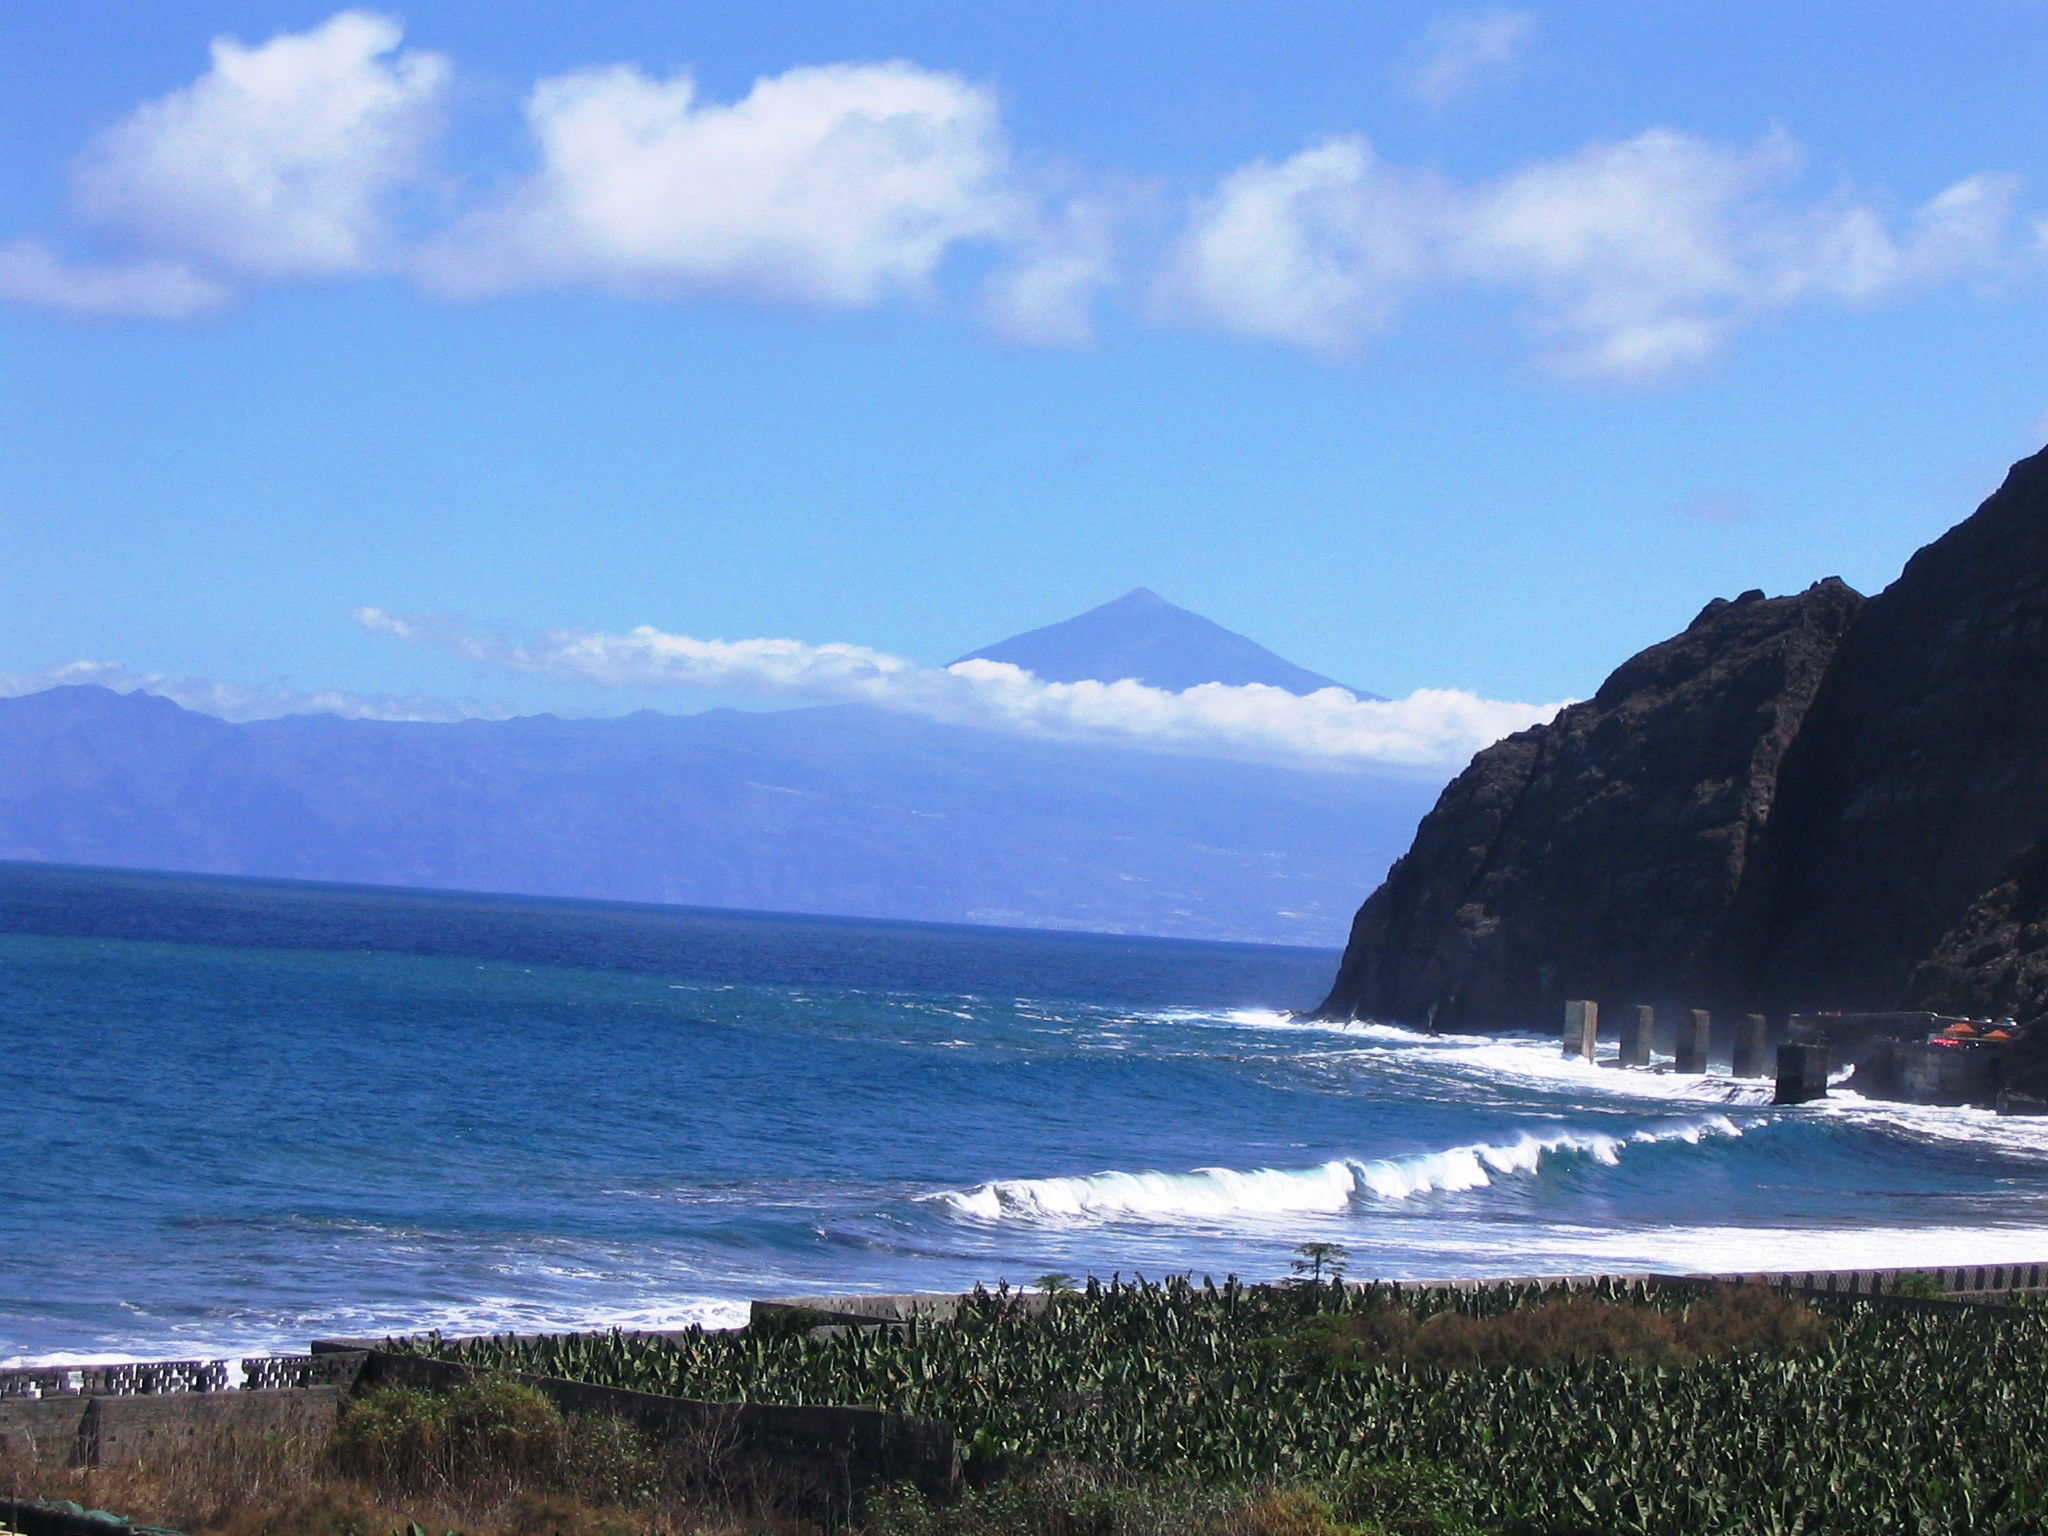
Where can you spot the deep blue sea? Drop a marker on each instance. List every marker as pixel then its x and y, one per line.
pixel 240 1114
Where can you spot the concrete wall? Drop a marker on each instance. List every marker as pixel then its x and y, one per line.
pixel 118 1431
pixel 43 1430
pixel 114 1431
pixel 812 1455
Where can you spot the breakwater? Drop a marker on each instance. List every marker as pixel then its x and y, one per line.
pixel 1913 1057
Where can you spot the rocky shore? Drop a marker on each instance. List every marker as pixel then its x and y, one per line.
pixel 1798 804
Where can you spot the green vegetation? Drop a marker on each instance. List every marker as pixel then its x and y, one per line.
pixel 1180 1408
pixel 1390 1499
pixel 1320 1261
pixel 491 1434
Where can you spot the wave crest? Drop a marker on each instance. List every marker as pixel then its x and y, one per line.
pixel 1326 1189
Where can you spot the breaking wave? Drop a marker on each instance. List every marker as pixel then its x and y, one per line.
pixel 1326 1189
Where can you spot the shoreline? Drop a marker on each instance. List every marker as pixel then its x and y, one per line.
pixel 1974 1281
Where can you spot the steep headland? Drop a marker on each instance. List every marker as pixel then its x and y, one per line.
pixel 1802 802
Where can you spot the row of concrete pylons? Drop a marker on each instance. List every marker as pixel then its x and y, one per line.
pixel 1801 1070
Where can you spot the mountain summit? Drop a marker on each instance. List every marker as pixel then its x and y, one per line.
pixel 1141 635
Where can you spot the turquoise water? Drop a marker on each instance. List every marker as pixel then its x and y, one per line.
pixel 242 1114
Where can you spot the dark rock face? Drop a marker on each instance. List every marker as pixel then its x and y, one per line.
pixel 1923 771
pixel 1600 855
pixel 1800 804
pixel 1994 963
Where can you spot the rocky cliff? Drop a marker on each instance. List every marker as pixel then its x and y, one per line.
pixel 1994 963
pixel 1802 802
pixel 1923 770
pixel 1600 855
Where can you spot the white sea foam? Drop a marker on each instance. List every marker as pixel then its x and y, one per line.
pixel 1328 1188
pixel 1537 1250
pixel 1532 1061
pixel 487 1314
pixel 2021 1136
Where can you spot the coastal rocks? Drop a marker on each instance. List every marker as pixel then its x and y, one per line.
pixel 1994 963
pixel 1923 769
pixel 1800 804
pixel 1599 855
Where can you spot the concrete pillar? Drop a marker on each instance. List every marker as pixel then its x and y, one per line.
pixel 1695 1029
pixel 1635 1037
pixel 1581 1027
pixel 1750 1037
pixel 1802 1073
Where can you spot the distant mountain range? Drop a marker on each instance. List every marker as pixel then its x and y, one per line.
pixel 1144 637
pixel 842 809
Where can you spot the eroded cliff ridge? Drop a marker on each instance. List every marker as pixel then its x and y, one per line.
pixel 1802 802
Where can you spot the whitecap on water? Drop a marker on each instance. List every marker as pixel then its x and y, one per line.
pixel 1327 1188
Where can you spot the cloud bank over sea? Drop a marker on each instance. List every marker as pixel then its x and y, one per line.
pixel 1430 728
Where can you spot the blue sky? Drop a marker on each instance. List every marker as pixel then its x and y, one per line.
pixel 1435 347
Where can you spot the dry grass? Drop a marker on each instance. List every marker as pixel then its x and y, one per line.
pixel 493 1460
pixel 1732 1320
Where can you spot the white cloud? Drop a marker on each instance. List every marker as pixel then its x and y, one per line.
pixel 1643 257
pixel 1045 293
pixel 148 290
pixel 1627 261
pixel 837 184
pixel 1432 728
pixel 235 701
pixel 1319 250
pixel 849 184
pixel 1463 55
pixel 281 160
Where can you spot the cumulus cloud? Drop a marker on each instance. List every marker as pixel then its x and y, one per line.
pixel 1045 292
pixel 836 184
pixel 1320 250
pixel 1432 728
pixel 235 701
pixel 1627 261
pixel 850 184
pixel 281 160
pixel 1642 257
pixel 1463 55
pixel 147 290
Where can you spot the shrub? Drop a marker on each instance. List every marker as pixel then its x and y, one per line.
pixel 1408 1498
pixel 1751 1319
pixel 1385 1499
pixel 489 1436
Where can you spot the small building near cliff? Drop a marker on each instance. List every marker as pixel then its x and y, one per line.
pixel 1916 1058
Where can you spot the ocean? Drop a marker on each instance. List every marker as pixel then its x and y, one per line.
pixel 241 1114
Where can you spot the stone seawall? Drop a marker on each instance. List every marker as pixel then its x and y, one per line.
pixel 810 1455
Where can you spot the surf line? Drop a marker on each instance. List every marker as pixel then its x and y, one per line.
pixel 1327 1188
